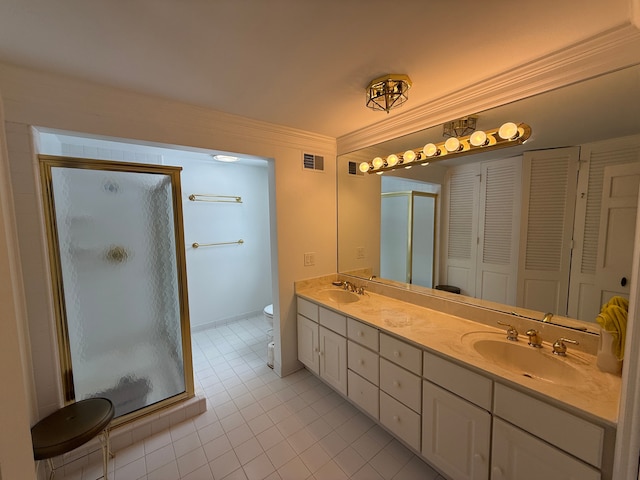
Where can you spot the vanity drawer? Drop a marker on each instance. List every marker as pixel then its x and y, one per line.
pixel 562 429
pixel 333 321
pixel 464 383
pixel 363 361
pixel 400 384
pixel 364 394
pixel 402 353
pixel 363 334
pixel 401 420
pixel 308 309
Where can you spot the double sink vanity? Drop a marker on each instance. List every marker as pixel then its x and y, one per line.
pixel 443 378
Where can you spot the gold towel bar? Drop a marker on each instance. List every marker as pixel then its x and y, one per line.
pixel 197 245
pixel 214 198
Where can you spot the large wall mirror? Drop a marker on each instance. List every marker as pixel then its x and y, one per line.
pixel 543 227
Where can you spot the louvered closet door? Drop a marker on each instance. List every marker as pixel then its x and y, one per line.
pixel 549 186
pixel 584 294
pixel 498 230
pixel 461 227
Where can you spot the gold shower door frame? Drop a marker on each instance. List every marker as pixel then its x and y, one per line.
pixel 47 162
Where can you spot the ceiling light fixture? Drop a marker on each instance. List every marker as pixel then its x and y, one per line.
pixel 460 127
pixel 387 92
pixel 508 135
pixel 225 158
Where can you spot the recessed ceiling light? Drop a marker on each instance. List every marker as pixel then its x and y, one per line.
pixel 225 158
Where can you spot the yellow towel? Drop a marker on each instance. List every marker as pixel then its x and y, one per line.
pixel 613 319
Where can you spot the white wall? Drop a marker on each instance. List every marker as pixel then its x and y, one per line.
pixel 16 405
pixel 305 202
pixel 226 282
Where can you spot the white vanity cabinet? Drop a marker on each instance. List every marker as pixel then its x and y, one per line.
pixel 467 425
pixel 322 346
pixel 456 419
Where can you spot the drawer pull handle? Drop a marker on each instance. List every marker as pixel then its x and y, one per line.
pixel 478 458
pixel 361 362
pixel 396 418
pixel 396 383
pixel 396 353
pixel 360 333
pixel 497 473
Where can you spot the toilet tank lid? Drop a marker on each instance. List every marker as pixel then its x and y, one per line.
pixel 268 310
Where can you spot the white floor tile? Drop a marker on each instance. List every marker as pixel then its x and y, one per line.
pixel 259 426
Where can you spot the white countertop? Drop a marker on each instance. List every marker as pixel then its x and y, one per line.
pixel 596 397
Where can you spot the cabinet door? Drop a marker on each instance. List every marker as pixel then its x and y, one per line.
pixel 333 359
pixel 455 434
pixel 518 455
pixel 308 344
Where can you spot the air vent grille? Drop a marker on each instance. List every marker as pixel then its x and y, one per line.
pixel 312 162
pixel 353 169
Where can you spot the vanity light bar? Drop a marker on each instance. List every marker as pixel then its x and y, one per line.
pixel 508 135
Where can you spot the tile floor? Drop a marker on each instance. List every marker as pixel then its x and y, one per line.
pixel 261 426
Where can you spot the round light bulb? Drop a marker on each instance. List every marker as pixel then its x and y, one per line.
pixel 508 131
pixel 430 150
pixel 452 144
pixel 364 167
pixel 478 138
pixel 408 156
pixel 377 162
pixel 392 160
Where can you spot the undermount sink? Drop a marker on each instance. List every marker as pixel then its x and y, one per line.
pixel 522 359
pixel 340 296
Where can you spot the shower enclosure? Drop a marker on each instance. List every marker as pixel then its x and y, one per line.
pixel 116 250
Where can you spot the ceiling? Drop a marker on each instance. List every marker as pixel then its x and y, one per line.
pixel 297 63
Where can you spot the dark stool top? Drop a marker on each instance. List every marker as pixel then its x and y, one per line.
pixel 70 427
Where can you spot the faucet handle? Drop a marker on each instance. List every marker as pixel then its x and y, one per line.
pixel 559 347
pixel 512 333
pixel 535 340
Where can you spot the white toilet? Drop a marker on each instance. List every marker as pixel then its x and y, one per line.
pixel 268 316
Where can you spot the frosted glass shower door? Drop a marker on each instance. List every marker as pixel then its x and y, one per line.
pixel 120 279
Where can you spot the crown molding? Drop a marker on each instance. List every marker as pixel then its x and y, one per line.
pixel 611 50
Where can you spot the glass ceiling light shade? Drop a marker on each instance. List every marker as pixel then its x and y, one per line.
pixel 452 144
pixel 387 92
pixel 364 167
pixel 508 135
pixel 392 160
pixel 508 131
pixel 430 150
pixel 478 138
pixel 408 156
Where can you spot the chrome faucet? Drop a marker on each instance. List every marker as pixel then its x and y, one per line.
pixel 360 290
pixel 547 317
pixel 512 333
pixel 559 348
pixel 535 340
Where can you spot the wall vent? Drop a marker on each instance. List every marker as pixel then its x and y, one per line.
pixel 312 162
pixel 353 169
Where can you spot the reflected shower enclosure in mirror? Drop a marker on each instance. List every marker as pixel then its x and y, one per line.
pixel 592 124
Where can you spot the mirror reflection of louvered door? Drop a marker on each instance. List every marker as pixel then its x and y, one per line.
pixel 481 221
pixel 548 205
pixel 585 295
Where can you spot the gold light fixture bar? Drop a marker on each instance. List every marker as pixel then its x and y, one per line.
pixel 508 135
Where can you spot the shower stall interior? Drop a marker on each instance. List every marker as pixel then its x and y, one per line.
pixel 116 250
